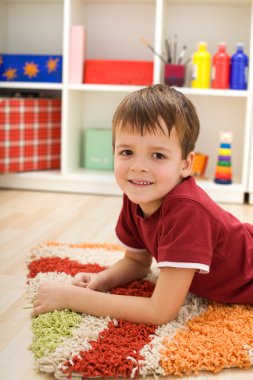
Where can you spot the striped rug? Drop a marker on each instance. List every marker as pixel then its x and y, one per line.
pixel 204 337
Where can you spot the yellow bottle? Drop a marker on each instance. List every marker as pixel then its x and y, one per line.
pixel 201 74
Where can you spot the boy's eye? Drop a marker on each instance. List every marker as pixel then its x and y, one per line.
pixel 126 152
pixel 158 156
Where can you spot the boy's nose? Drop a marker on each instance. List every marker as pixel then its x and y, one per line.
pixel 139 165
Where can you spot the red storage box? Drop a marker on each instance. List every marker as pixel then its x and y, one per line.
pixel 30 134
pixel 118 72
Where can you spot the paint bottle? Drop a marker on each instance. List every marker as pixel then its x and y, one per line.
pixel 201 60
pixel 221 67
pixel 239 66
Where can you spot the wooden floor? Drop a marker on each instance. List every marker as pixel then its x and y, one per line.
pixel 29 218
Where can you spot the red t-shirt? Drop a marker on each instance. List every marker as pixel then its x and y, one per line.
pixel 190 230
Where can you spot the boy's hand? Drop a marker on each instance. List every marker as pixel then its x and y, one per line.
pixel 93 281
pixel 51 296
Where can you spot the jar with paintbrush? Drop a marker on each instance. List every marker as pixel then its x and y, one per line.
pixel 175 68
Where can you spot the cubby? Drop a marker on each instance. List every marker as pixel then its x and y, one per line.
pixel 113 31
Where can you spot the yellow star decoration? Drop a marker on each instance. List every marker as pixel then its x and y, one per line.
pixel 31 69
pixel 10 73
pixel 52 64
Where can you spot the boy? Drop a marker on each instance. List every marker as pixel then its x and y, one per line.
pixel 165 215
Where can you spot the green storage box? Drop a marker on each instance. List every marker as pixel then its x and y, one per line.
pixel 98 153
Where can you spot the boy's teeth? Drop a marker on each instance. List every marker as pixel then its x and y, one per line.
pixel 141 182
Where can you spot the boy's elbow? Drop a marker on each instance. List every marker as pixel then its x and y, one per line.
pixel 163 320
pixel 158 318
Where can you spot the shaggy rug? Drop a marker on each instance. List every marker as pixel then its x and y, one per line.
pixel 205 336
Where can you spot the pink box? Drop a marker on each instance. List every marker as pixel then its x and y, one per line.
pixel 76 53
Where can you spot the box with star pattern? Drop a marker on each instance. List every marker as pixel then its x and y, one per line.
pixel 30 68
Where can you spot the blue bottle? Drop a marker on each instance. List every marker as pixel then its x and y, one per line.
pixel 239 65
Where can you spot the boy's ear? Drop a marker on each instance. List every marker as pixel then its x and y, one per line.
pixel 188 164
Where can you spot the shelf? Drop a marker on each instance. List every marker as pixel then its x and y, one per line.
pixel 31 86
pixel 109 37
pixel 103 183
pixel 204 2
pixel 81 181
pixel 214 92
pixel 185 90
pixel 32 1
pixel 95 182
pixel 103 87
pixel 119 88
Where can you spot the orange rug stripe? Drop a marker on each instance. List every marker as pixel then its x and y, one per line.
pixel 217 339
pixel 105 246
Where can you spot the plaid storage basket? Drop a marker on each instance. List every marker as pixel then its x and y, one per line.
pixel 30 134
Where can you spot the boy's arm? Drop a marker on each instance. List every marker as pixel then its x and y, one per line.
pixel 170 291
pixel 169 294
pixel 133 266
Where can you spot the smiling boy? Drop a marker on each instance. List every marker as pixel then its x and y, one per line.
pixel 198 246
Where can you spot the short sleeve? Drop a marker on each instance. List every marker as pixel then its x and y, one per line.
pixel 127 229
pixel 188 236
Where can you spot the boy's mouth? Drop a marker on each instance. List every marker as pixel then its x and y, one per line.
pixel 140 182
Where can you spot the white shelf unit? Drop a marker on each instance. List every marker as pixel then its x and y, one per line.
pixel 114 29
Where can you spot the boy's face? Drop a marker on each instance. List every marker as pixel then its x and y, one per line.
pixel 148 167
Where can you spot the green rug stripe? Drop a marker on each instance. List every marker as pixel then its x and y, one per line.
pixel 49 329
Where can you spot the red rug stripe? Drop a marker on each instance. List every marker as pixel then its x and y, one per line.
pixel 140 288
pixel 116 353
pixel 57 264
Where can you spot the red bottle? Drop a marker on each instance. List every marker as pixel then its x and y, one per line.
pixel 221 68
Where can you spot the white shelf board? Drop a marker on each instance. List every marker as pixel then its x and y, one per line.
pixel 103 87
pixel 232 193
pixel 185 90
pixel 203 2
pixel 32 85
pixel 32 1
pixel 214 92
pixel 102 182
pixel 99 176
pixel 80 181
pixel 92 181
pixel 119 88
pixel 35 180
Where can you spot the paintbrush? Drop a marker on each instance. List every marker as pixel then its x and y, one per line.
pixel 153 50
pixel 168 49
pixel 174 61
pixel 182 54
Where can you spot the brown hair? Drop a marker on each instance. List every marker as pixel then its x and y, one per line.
pixel 142 111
